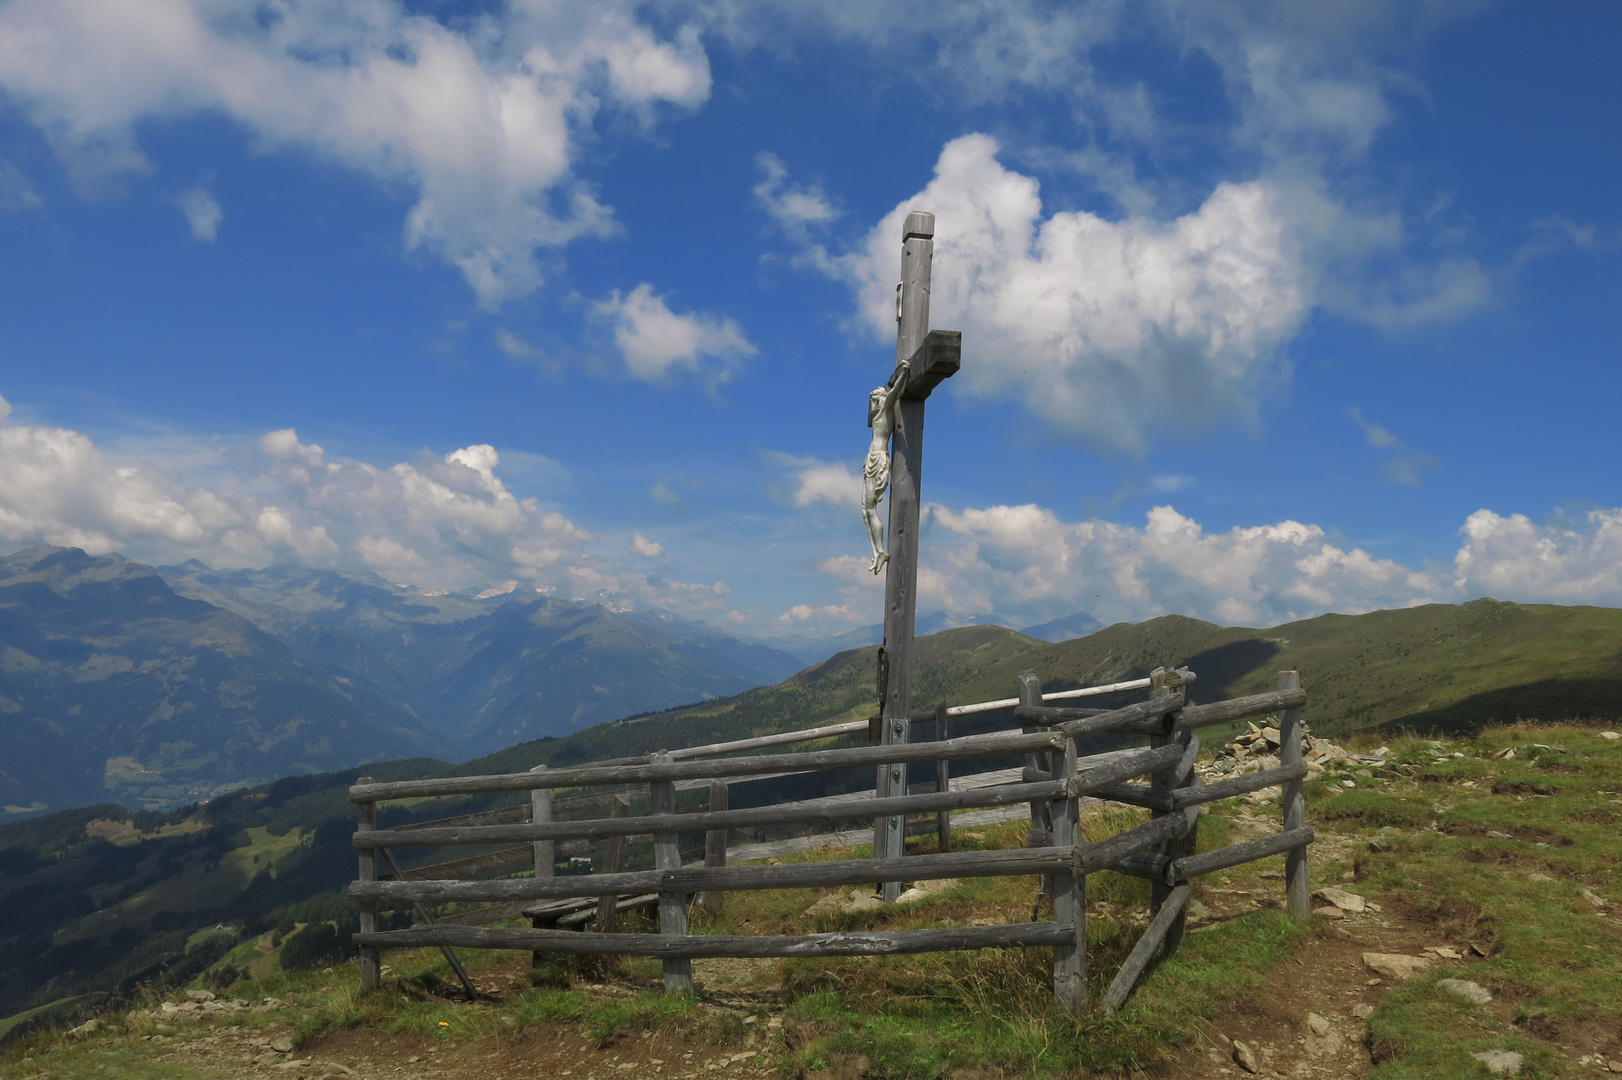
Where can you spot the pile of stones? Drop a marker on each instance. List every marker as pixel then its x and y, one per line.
pixel 1258 749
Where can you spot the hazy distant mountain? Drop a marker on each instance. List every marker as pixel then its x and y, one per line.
pixel 486 672
pixel 112 685
pixel 1075 625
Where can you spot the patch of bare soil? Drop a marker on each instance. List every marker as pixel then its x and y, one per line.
pixel 1308 1022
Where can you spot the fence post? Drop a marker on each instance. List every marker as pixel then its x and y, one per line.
pixel 672 906
pixel 715 845
pixel 1041 834
pixel 1185 844
pixel 545 851
pixel 1298 893
pixel 943 780
pixel 370 955
pixel 613 862
pixel 1069 895
pixel 1162 681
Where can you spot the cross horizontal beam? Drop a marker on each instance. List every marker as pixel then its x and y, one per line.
pixel 935 361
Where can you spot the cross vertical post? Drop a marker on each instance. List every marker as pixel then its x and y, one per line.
pixel 933 357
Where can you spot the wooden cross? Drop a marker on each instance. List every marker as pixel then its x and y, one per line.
pixel 935 355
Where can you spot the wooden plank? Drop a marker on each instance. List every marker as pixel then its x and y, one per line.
pixel 1238 785
pixel 1040 832
pixel 995 744
pixel 1145 864
pixel 1185 778
pixel 866 943
pixel 1194 866
pixel 1171 909
pixel 1143 795
pixel 1162 780
pixel 943 781
pixel 540 814
pixel 1297 892
pixel 936 360
pixel 813 810
pixel 672 902
pixel 1135 763
pixel 613 863
pixel 427 919
pixel 1222 712
pixel 715 846
pixel 577 918
pixel 1058 695
pixel 1069 897
pixel 1100 856
pixel 692 879
pixel 371 964
pixel 901 572
pixel 1078 722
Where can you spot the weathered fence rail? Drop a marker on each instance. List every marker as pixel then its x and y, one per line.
pixel 1160 777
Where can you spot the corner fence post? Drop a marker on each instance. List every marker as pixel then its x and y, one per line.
pixel 1297 891
pixel 715 845
pixel 1069 893
pixel 672 906
pixel 370 955
pixel 1161 782
pixel 545 852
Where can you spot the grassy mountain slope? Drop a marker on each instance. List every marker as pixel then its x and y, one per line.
pixel 1439 667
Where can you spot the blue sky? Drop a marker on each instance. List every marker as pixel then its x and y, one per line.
pixel 1268 309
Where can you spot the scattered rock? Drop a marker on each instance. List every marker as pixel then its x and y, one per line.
pixel 1599 902
pixel 84 1029
pixel 1445 952
pixel 1395 965
pixel 1538 877
pixel 1346 901
pixel 282 1044
pixel 1317 1024
pixel 861 901
pixel 1197 910
pixel 1469 991
pixel 1613 735
pixel 200 995
pixel 1362 1010
pixel 1500 1062
pixel 925 889
pixel 1245 1057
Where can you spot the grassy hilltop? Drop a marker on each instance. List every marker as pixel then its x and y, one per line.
pixel 1439 667
pixel 100 901
pixel 1472 911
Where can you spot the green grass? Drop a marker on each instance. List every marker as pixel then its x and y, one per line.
pixel 1447 843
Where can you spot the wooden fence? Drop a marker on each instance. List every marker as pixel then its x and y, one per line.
pixel 1051 783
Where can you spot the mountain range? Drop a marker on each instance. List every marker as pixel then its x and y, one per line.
pixel 158 685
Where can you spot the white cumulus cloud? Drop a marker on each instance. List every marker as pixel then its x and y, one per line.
pixel 1098 326
pixel 654 341
pixel 442 521
pixel 1509 557
pixel 480 120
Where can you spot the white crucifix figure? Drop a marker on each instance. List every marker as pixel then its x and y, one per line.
pixel 883 406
